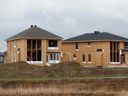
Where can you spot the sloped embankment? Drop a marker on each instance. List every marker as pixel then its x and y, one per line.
pixel 22 70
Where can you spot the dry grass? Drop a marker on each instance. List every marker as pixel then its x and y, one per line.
pixel 53 91
pixel 103 87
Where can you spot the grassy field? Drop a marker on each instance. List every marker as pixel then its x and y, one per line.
pixel 100 87
pixel 64 79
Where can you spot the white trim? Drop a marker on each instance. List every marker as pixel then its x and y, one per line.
pixel 114 62
pixel 120 52
pixel 52 48
pixel 34 62
pixel 89 62
pixel 77 49
pixel 84 62
pixel 53 61
pixel 88 45
pixel 14 46
pixel 74 58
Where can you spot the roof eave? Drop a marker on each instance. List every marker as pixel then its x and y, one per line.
pixel 92 41
pixel 32 38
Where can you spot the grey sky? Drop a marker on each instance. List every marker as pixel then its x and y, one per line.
pixel 66 18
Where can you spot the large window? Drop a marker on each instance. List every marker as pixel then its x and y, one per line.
pixel 53 43
pixel 114 51
pixel 33 50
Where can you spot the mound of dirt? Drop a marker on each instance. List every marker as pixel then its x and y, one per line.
pixel 22 70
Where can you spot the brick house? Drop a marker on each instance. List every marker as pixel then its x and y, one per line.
pixel 96 49
pixel 35 46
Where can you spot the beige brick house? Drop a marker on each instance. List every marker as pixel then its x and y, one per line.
pixel 96 49
pixel 35 46
pixel 38 46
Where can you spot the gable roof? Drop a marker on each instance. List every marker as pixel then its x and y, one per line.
pixel 96 36
pixel 34 32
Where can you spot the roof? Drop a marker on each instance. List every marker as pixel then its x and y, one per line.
pixel 96 36
pixel 34 32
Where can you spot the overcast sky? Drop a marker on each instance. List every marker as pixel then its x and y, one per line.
pixel 66 18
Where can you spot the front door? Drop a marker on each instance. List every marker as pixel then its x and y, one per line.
pixel 98 59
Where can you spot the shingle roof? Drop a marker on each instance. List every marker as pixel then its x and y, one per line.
pixel 96 37
pixel 35 32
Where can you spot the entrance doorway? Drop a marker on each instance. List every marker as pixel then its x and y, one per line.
pixel 98 59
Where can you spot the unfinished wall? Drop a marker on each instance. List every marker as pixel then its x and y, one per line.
pixel 98 59
pixel 102 59
pixel 12 47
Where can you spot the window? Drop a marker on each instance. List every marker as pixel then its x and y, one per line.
pixel 54 56
pixel 74 56
pixel 53 43
pixel 126 45
pixel 83 57
pixel 14 44
pixel 76 46
pixel 99 50
pixel 33 50
pixel 89 57
pixel 89 44
pixel 114 51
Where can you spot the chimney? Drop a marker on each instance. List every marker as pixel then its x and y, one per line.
pixel 31 26
pixel 96 32
pixel 35 26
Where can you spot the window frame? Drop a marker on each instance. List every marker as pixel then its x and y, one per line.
pixel 83 58
pixel 89 58
pixel 76 46
pixel 34 53
pixel 55 43
pixel 89 44
pixel 114 53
